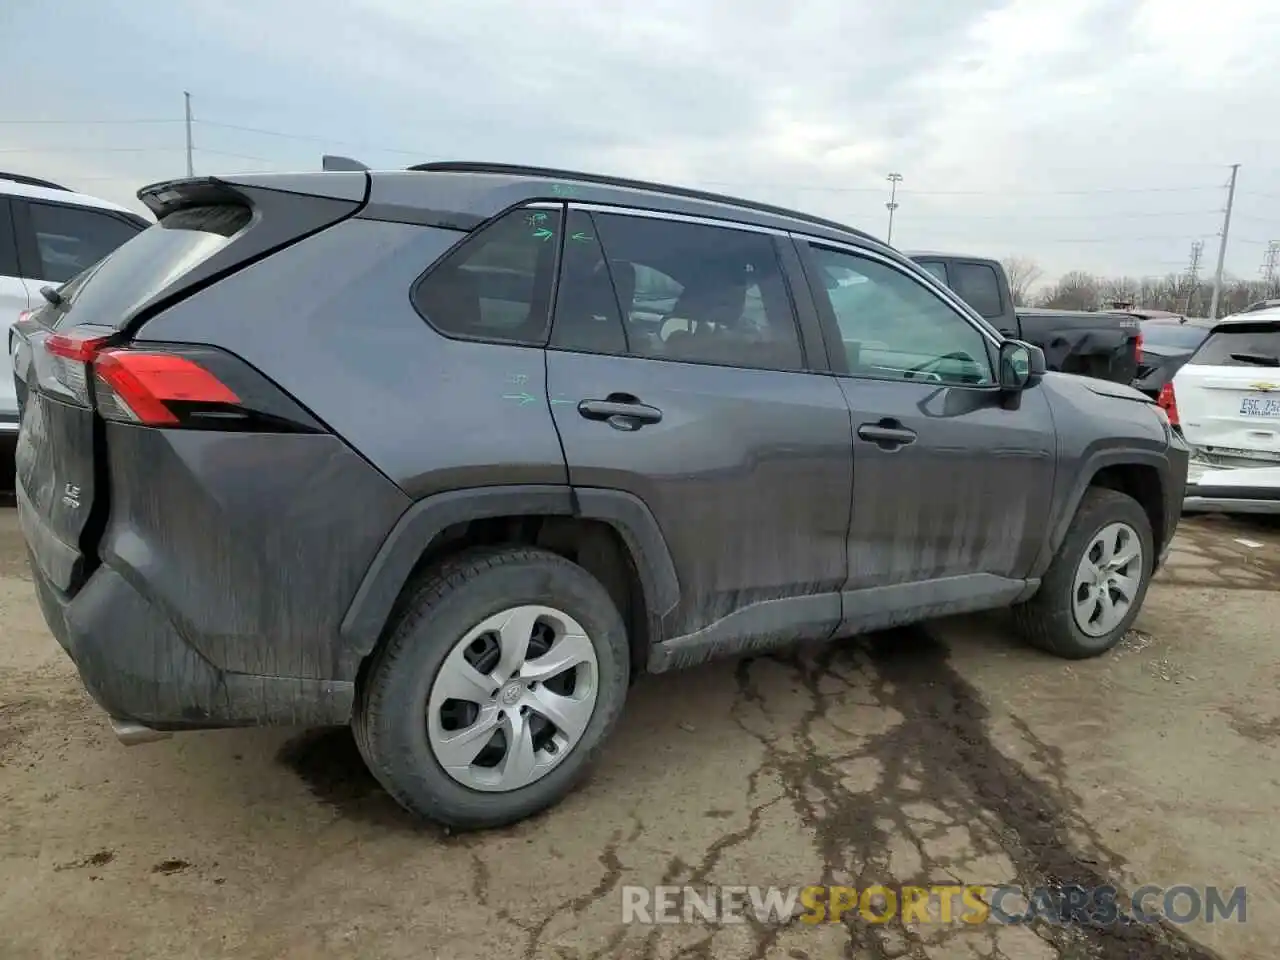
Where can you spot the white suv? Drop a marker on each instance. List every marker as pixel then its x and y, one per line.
pixel 1226 400
pixel 48 234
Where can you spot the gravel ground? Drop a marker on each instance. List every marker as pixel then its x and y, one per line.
pixel 942 754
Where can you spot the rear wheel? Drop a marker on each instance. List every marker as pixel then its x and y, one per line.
pixel 1094 588
pixel 503 677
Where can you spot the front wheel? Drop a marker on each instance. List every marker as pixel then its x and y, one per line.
pixel 505 674
pixel 1094 588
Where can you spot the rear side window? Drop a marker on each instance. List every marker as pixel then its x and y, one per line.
pixel 133 273
pixel 978 286
pixel 497 284
pixel 1241 345
pixel 69 240
pixel 8 241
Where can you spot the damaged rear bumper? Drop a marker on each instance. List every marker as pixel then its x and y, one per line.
pixel 138 668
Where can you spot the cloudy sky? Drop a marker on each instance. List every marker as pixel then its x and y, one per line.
pixel 1091 134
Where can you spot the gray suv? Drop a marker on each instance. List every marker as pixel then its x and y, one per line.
pixel 454 454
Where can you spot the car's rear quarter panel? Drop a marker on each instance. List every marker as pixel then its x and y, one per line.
pixel 250 545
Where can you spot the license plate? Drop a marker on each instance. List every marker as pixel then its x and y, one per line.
pixel 1260 407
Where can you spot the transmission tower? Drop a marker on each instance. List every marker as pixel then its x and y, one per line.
pixel 1192 279
pixel 1271 266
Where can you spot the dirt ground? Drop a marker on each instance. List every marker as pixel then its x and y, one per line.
pixel 943 754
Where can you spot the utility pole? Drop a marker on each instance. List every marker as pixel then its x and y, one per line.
pixel 191 170
pixel 1193 274
pixel 892 205
pixel 1222 247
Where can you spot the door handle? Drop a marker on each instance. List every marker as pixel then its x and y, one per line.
pixel 628 414
pixel 887 434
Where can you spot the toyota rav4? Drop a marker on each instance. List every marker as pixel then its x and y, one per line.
pixel 453 454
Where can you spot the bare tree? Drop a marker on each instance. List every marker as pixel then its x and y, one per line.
pixel 1076 290
pixel 1023 272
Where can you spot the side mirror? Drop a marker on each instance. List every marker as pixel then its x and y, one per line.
pixel 1021 365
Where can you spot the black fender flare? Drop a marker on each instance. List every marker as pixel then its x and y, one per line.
pixel 1094 464
pixel 627 514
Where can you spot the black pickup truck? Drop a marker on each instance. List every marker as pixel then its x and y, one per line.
pixel 1095 344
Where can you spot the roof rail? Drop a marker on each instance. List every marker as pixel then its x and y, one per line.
pixel 32 181
pixel 518 170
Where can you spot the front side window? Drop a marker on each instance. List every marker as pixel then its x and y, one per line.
pixel 893 327
pixel 69 240
pixel 697 293
pixel 497 284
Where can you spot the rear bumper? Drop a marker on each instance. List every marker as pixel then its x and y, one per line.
pixel 136 665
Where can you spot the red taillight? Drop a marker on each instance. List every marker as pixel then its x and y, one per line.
pixel 72 346
pixel 1169 403
pixel 1137 349
pixel 143 384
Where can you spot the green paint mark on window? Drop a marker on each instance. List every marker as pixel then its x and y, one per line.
pixel 543 234
pixel 582 237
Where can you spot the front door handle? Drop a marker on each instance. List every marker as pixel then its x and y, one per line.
pixel 628 414
pixel 888 435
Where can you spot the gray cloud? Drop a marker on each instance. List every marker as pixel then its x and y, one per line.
pixel 1008 118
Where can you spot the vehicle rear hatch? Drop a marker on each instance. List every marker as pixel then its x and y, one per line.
pixel 206 229
pixel 1228 395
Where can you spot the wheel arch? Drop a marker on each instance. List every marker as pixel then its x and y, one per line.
pixel 1137 473
pixel 439 524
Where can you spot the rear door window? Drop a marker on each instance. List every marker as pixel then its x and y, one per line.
pixel 69 240
pixel 978 285
pixel 1241 345
pixel 133 273
pixel 700 294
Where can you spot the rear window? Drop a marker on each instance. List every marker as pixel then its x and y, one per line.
pixel 979 287
pixel 1241 345
pixel 111 290
pixel 1173 334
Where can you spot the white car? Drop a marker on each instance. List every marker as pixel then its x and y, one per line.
pixel 1226 401
pixel 47 235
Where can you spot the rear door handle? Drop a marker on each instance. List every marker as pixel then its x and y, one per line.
pixel 626 414
pixel 886 435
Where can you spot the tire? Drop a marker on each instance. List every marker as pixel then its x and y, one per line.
pixel 1048 620
pixel 413 664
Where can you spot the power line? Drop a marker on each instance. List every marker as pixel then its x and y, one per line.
pixel 89 149
pixel 263 131
pixel 77 123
